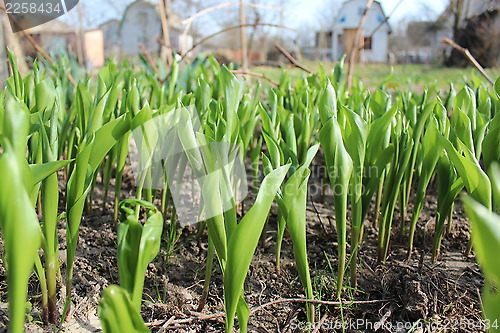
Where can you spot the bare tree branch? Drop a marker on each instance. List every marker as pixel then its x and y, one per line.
pixel 215 316
pixel 189 21
pixel 292 59
pixel 41 51
pixel 166 34
pixel 243 37
pixel 44 54
pixel 354 50
pixel 469 56
pixel 381 23
pixel 229 29
pixel 256 75
pixel 149 58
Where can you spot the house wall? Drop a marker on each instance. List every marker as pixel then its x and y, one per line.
pixel 94 48
pixel 349 16
pixel 112 40
pixel 379 51
pixel 140 25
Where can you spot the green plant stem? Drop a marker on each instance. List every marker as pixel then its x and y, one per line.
pixel 40 273
pixel 50 200
pixel 208 275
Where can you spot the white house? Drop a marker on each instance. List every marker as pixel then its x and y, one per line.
pixel 376 31
pixel 111 34
pixel 140 24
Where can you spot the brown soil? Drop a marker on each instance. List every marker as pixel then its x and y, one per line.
pixel 395 292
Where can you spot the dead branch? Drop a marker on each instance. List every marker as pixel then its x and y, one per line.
pixel 200 316
pixel 470 57
pixel 243 37
pixel 229 29
pixel 44 54
pixel 37 47
pixel 314 301
pixel 167 323
pixel 316 330
pixel 148 58
pixel 354 49
pixel 186 320
pixel 41 51
pixel 189 21
pixel 381 24
pixel 256 75
pixel 292 59
pixel 165 30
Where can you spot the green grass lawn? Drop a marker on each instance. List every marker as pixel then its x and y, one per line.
pixel 414 77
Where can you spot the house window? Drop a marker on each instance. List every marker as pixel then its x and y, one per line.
pixel 361 10
pixel 367 43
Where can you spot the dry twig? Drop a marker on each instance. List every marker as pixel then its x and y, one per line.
pixel 258 308
pixel 256 75
pixel 354 50
pixel 291 59
pixel 229 29
pixel 189 21
pixel 314 301
pixel 381 24
pixel 149 58
pixel 44 54
pixel 318 327
pixel 165 31
pixel 473 60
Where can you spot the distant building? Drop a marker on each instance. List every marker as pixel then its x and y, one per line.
pixel 477 28
pixel 473 24
pixel 111 34
pixel 333 44
pixel 376 31
pixel 421 43
pixel 324 42
pixel 140 24
pixel 54 36
pixel 94 48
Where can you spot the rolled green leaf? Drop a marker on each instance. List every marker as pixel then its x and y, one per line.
pixel 339 167
pixel 117 312
pixel 243 242
pixel 138 245
pixel 486 242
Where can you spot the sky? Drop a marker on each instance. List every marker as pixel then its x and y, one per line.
pixel 299 13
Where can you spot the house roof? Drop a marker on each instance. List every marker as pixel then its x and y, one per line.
pixel 112 21
pixel 174 19
pixel 375 3
pixel 52 27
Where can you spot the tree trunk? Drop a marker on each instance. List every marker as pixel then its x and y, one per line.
pixel 166 48
pixel 14 44
pixel 3 59
pixel 243 37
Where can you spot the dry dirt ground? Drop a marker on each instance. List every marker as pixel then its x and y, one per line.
pixel 396 296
